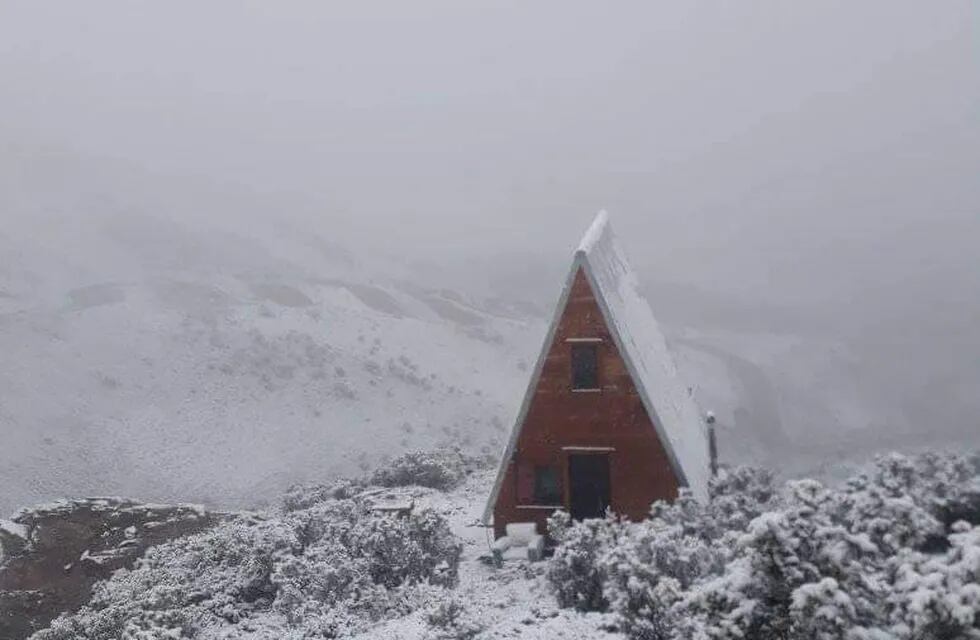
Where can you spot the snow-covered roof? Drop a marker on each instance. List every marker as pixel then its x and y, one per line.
pixel 642 344
pixel 643 347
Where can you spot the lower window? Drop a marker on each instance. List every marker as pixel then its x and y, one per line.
pixel 547 488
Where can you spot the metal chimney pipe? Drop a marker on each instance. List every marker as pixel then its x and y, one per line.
pixel 712 443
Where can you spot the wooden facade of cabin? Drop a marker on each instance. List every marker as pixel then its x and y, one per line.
pixel 588 436
pixel 564 423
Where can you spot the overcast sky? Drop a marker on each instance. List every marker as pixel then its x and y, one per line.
pixel 806 148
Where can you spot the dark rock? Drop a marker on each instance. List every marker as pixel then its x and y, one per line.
pixel 70 545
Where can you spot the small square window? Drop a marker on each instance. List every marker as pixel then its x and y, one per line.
pixel 547 489
pixel 585 367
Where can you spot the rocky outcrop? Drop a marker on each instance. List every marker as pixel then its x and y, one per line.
pixel 51 556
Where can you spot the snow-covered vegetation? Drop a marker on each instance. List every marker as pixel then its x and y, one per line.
pixel 442 469
pixel 324 571
pixel 893 553
pixel 326 564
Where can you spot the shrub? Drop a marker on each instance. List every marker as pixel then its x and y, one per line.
pixel 641 569
pixel 654 563
pixel 299 497
pixel 938 596
pixel 859 562
pixel 328 569
pixel 947 486
pixel 739 494
pixel 444 470
pixel 451 620
pixel 576 572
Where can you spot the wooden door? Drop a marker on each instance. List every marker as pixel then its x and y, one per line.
pixel 588 485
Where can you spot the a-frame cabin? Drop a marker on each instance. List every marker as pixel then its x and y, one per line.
pixel 606 420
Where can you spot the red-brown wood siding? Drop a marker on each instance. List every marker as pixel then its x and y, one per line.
pixel 614 417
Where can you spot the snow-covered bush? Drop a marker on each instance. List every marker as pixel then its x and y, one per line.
pixel 877 558
pixel 938 596
pixel 442 469
pixel 819 566
pixel 786 575
pixel 452 620
pixel 739 494
pixel 892 504
pixel 576 571
pixel 327 570
pixel 655 562
pixel 947 486
pixel 638 568
pixel 299 497
pixel 683 542
pixel 223 574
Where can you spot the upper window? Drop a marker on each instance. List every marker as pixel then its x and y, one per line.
pixel 585 367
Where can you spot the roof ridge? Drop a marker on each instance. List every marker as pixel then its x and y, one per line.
pixel 598 228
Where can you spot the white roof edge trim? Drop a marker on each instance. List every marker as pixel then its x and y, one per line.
pixel 531 386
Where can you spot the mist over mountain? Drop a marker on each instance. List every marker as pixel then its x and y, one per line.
pixel 156 353
pixel 243 245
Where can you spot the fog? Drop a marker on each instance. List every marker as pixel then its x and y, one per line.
pixel 755 134
pixel 773 167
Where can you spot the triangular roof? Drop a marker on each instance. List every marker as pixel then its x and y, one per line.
pixel 643 347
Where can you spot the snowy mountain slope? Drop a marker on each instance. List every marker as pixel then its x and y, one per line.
pixel 223 373
pixel 806 404
pixel 181 358
pixel 782 400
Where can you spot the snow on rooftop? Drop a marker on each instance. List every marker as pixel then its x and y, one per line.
pixel 597 230
pixel 643 346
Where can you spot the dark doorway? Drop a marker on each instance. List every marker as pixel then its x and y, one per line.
pixel 588 485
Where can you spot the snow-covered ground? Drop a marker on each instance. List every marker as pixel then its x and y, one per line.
pixel 514 601
pixel 864 555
